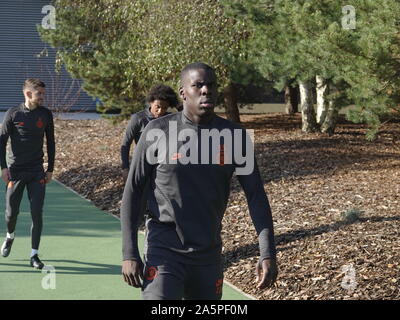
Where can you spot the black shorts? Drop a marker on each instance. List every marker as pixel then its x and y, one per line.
pixel 172 280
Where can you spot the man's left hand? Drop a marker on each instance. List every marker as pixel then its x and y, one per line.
pixel 266 273
pixel 49 176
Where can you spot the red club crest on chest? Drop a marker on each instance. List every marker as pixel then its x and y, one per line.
pixel 176 156
pixel 39 123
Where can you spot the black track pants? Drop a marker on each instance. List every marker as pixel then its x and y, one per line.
pixel 171 280
pixel 36 187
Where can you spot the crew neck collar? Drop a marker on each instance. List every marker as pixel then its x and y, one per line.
pixel 25 108
pixel 186 120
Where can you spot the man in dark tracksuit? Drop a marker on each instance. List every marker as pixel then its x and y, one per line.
pixel 187 199
pixel 26 126
pixel 159 99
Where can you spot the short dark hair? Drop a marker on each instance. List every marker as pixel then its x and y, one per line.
pixel 164 93
pixel 33 83
pixel 195 66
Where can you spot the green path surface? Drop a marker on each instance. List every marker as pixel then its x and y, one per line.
pixel 81 243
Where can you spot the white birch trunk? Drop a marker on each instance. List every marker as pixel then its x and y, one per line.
pixel 322 103
pixel 329 124
pixel 307 108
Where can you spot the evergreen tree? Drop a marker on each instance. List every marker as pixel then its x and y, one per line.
pixel 353 46
pixel 121 48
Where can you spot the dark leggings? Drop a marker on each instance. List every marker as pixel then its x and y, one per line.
pixel 36 187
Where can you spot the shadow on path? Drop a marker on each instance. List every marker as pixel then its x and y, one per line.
pixel 61 267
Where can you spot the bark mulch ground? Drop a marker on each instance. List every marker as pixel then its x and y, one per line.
pixel 335 203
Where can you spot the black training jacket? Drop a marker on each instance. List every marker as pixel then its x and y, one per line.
pixel 187 201
pixel 136 125
pixel 26 129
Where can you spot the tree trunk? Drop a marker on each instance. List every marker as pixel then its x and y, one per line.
pixel 322 102
pixel 307 109
pixel 329 124
pixel 230 103
pixel 291 100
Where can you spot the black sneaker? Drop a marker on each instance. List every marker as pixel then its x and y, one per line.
pixel 6 247
pixel 36 263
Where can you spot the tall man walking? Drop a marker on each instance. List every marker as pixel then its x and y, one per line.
pixel 189 191
pixel 26 125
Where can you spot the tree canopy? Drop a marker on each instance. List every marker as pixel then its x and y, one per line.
pixel 354 45
pixel 121 48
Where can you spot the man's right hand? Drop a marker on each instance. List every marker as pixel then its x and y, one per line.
pixel 5 175
pixel 132 271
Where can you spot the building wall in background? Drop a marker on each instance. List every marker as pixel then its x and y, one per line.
pixel 20 44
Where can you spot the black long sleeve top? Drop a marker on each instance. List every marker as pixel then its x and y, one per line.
pixel 26 130
pixel 187 200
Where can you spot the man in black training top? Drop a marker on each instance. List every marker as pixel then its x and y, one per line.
pixel 159 99
pixel 26 126
pixel 188 194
